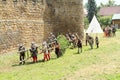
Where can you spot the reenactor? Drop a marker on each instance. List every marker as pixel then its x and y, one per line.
pixel 114 31
pixel 34 52
pixel 22 54
pixel 109 32
pixel 46 51
pixel 76 35
pixel 69 39
pixel 79 44
pixel 97 41
pixel 48 55
pixel 87 38
pixel 57 49
pixel 91 41
pixel 52 37
pixel 74 40
pixel 51 40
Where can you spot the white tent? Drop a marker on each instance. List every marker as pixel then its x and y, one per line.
pixel 94 26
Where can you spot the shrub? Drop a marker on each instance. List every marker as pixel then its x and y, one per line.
pixel 63 43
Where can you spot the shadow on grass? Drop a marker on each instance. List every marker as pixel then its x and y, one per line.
pixel 53 58
pixel 77 53
pixel 27 63
pixel 30 63
pixel 89 49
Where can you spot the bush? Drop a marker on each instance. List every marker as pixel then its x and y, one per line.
pixel 63 43
pixel 105 21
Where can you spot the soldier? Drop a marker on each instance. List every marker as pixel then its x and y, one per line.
pixel 76 39
pixel 22 54
pixel 73 40
pixel 57 49
pixel 87 37
pixel 34 52
pixel 97 42
pixel 52 37
pixel 91 41
pixel 46 51
pixel 69 39
pixel 114 31
pixel 79 44
pixel 109 32
pixel 76 35
pixel 51 40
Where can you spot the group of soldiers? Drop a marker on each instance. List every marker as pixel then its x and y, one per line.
pixel 90 40
pixel 47 46
pixel 22 51
pixel 77 42
pixel 74 40
pixel 52 44
pixel 109 31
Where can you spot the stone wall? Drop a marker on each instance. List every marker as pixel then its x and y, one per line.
pixel 20 22
pixel 24 22
pixel 65 16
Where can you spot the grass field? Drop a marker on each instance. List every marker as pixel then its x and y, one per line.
pixel 96 64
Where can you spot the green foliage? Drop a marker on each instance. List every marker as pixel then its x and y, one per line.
pixel 86 22
pixel 92 9
pixel 63 43
pixel 108 4
pixel 105 21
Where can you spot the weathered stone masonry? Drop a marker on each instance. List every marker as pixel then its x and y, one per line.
pixel 24 21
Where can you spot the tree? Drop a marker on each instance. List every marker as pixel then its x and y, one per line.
pixel 108 4
pixel 86 22
pixel 92 9
pixel 105 20
pixel 111 3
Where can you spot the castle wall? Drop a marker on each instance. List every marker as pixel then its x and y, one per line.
pixel 24 22
pixel 20 23
pixel 65 16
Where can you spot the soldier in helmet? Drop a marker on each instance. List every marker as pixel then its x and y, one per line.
pixel 46 51
pixel 34 52
pixel 22 54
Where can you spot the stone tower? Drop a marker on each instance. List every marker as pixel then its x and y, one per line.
pixel 65 16
pixel 24 21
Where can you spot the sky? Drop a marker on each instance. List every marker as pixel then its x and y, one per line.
pixel 103 1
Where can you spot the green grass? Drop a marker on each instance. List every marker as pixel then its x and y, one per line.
pixel 96 64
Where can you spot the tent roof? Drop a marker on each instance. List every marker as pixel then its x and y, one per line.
pixel 94 26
